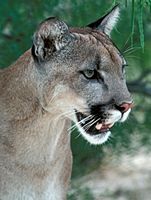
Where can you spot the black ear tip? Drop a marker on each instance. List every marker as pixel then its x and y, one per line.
pixel 96 24
pixel 107 22
pixel 49 19
pixel 116 6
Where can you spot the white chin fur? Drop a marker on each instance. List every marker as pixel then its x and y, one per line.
pixel 94 139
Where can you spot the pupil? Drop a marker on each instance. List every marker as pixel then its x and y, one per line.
pixel 90 73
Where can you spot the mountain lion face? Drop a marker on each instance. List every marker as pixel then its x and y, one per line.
pixel 86 72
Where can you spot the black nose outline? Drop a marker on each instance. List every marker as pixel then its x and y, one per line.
pixel 124 107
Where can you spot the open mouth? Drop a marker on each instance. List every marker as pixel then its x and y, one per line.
pixel 96 126
pixel 93 125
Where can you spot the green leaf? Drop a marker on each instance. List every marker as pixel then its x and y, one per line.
pixel 132 21
pixel 140 22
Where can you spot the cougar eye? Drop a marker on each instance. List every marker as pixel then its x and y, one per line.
pixel 90 74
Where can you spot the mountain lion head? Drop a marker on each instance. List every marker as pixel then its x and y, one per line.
pixel 84 73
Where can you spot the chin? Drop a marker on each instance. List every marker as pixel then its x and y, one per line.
pixel 95 139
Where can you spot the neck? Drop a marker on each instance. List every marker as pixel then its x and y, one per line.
pixel 36 142
pixel 45 141
pixel 39 133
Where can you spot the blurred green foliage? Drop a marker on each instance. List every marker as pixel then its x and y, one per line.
pixel 18 21
pixel 20 18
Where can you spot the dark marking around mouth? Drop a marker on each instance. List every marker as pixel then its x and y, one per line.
pixel 86 122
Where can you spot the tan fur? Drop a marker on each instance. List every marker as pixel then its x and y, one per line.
pixel 26 139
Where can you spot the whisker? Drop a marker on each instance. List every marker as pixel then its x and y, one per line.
pixel 78 123
pixel 128 49
pixel 88 123
pixel 67 113
pixel 92 124
pixel 78 135
pixel 70 130
pixel 86 118
pixel 127 40
pixel 136 57
pixel 131 50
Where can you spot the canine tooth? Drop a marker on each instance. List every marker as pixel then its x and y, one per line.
pixel 98 126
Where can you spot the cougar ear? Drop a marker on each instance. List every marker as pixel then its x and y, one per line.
pixel 107 22
pixel 51 35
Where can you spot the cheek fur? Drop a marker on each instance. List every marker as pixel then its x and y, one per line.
pixel 114 116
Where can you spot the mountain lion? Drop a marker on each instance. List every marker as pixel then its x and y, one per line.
pixel 69 74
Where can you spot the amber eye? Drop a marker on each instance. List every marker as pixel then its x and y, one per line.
pixel 90 74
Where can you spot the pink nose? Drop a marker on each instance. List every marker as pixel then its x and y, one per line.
pixel 125 107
